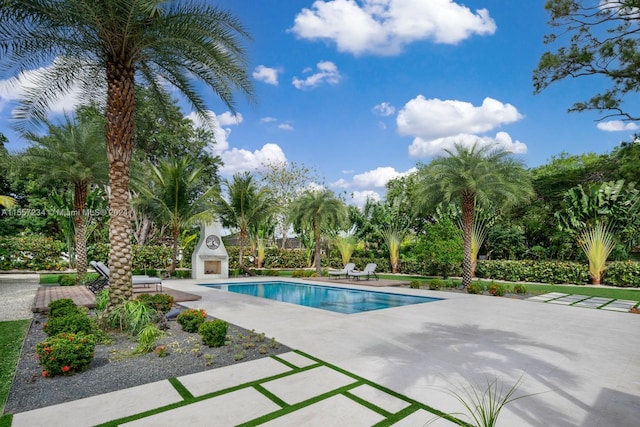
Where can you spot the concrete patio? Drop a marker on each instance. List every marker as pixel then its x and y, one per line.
pixel 582 363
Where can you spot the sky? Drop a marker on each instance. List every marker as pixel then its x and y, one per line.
pixel 363 91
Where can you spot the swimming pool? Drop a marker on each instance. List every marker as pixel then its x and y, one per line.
pixel 330 298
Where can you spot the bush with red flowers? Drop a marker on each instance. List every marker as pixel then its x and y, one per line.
pixel 65 353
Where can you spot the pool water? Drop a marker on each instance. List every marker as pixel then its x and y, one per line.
pixel 330 298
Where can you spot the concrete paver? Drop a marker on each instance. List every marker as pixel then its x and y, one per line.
pixel 423 418
pixel 229 376
pixel 379 398
pixel 296 359
pixel 334 411
pixel 307 384
pixel 102 408
pixel 569 299
pixel 226 410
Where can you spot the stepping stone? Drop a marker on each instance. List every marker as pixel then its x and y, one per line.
pixel 305 385
pixel 337 410
pixel 423 418
pixel 547 297
pixel 296 359
pixel 229 376
pixel 593 302
pixel 225 410
pixel 569 299
pixel 620 305
pixel 379 398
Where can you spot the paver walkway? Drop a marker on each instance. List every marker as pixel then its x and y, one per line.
pixel 291 389
pixel 586 301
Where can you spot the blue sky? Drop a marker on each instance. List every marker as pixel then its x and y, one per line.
pixel 364 90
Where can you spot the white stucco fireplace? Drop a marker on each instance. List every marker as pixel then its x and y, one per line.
pixel 210 259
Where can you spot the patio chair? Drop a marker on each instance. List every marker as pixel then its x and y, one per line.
pixel 146 281
pixel 368 272
pixel 347 268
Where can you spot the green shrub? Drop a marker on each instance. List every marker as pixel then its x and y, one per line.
pixel 475 288
pixel 62 307
pixel 132 316
pixel 31 252
pixel 67 280
pixel 414 284
pixel 159 302
pixel 147 338
pixel 213 332
pixel 191 319
pixel 271 273
pixel 622 273
pixel 65 353
pixel 102 300
pixel 435 284
pixel 496 289
pixel 519 289
pixel 553 272
pixel 299 273
pixel 76 322
pixel 181 274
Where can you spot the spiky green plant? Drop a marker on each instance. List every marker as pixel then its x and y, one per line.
pixel 597 242
pixel 393 238
pixel 484 406
pixel 346 244
pixel 147 338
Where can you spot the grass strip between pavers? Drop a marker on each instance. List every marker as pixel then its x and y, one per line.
pixel 386 390
pixel 297 406
pixel 289 408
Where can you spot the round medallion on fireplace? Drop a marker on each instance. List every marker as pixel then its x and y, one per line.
pixel 213 241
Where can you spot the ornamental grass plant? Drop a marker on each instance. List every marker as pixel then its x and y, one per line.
pixel 597 242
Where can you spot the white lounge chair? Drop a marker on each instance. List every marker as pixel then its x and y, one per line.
pixel 368 272
pixel 103 270
pixel 347 268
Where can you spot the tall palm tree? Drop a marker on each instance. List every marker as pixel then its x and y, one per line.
pixel 72 153
pixel 245 207
pixel 102 48
pixel 7 201
pixel 476 174
pixel 321 210
pixel 177 199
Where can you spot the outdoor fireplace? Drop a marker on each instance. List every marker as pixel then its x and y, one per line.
pixel 210 259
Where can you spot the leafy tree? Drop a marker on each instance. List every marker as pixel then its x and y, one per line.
pixel 172 189
pixel 603 42
pixel 440 248
pixel 71 153
pixel 286 180
pixel 105 47
pixel 245 205
pixel 476 174
pixel 321 210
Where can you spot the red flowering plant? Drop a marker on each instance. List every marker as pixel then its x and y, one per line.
pixel 65 353
pixel 191 319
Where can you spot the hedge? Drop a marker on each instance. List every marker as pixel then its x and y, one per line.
pixel 31 252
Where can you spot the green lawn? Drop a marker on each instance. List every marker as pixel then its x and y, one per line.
pixel 12 334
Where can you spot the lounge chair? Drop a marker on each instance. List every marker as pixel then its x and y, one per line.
pixel 368 272
pixel 103 270
pixel 347 268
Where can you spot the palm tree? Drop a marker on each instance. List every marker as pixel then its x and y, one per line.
pixel 321 210
pixel 71 153
pixel 102 48
pixel 173 191
pixel 247 205
pixel 7 201
pixel 476 174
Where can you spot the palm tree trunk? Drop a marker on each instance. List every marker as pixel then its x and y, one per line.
pixel 120 130
pixel 316 236
pixel 468 207
pixel 174 260
pixel 79 203
pixel 243 238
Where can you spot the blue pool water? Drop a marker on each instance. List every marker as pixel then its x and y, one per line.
pixel 330 298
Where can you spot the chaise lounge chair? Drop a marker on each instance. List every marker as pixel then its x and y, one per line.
pixel 103 270
pixel 344 272
pixel 368 272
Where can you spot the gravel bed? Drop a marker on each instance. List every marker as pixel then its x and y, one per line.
pixel 114 368
pixel 17 293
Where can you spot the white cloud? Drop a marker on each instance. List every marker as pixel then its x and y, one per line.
pixel 14 89
pixel 429 148
pixel 616 126
pixel 239 160
pixel 385 27
pixel 359 198
pixel 266 74
pixel 376 178
pixel 268 120
pixel 215 124
pixel 384 109
pixel 436 124
pixel 341 183
pixel 327 73
pixel 285 126
pixel 435 118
